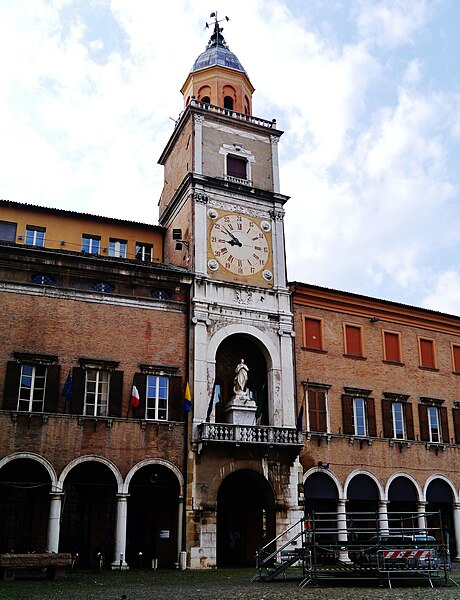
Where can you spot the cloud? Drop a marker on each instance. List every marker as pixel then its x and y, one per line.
pixel 445 294
pixel 390 23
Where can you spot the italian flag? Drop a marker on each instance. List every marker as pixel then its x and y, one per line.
pixel 134 397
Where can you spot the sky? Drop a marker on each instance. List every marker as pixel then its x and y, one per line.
pixel 367 93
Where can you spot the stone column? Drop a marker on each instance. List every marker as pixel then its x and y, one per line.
pixel 456 514
pixel 119 559
pixel 342 528
pixel 54 521
pixel 383 517
pixel 421 520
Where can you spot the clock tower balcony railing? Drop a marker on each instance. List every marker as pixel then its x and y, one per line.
pixel 260 435
pixel 233 114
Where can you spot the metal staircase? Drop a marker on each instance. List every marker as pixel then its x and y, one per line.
pixel 317 548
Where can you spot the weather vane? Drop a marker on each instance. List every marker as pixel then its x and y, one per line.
pixel 216 20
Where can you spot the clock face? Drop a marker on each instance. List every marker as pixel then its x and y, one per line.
pixel 240 245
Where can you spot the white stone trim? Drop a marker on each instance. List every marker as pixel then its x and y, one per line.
pixel 32 456
pixel 153 461
pixel 374 478
pixel 421 496
pixel 92 458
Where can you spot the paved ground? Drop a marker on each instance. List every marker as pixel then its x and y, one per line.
pixel 210 585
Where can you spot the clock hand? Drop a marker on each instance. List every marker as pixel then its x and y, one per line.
pixel 234 241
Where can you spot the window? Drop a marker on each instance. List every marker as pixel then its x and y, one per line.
pixel 353 340
pixel 90 244
pixel 313 333
pixel 228 102
pixel 456 358
pixel 96 393
pixel 427 353
pixel 236 167
pixel 97 388
pixel 117 248
pixel 397 417
pixel 32 383
pixel 157 397
pixel 391 347
pixel 32 388
pixel 358 413
pixel 8 231
pixel 161 393
pixel 317 409
pixel 456 417
pixel 35 236
pixel 144 252
pixel 434 426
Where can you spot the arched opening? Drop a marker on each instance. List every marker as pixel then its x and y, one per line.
pixel 440 499
pixel 228 102
pixel 246 106
pixel 153 509
pixel 245 518
pixel 206 99
pixel 25 486
pixel 228 356
pixel 362 508
pixel 402 506
pixel 89 513
pixel 321 495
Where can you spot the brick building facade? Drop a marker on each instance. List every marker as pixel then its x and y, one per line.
pixel 105 321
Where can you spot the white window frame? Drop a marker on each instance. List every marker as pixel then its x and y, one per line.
pixel 32 402
pixel 356 401
pixel 153 410
pixel 239 152
pixel 118 248
pixel 142 248
pixel 434 424
pixel 394 417
pixel 93 241
pixel 31 229
pixel 99 406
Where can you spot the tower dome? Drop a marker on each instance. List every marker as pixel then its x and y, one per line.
pixel 218 78
pixel 217 53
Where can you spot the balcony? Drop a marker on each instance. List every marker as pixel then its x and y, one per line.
pixel 232 113
pixel 254 435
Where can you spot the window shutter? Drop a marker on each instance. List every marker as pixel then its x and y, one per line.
pixel 427 353
pixel 140 381
pixel 347 413
pixel 78 391
pixel 313 333
pixel 52 388
pixel 423 418
pixel 371 424
pixel 409 422
pixel 116 393
pixel 456 416
pixel 322 413
pixel 312 410
pixel 353 340
pixel 236 166
pixel 392 347
pixel 444 425
pixel 456 357
pixel 176 399
pixel 387 418
pixel 13 378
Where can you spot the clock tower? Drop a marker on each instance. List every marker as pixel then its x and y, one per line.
pixel 223 212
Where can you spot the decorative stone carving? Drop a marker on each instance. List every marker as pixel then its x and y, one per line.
pixel 201 198
pixel 243 297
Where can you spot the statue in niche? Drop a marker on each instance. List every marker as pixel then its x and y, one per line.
pixel 241 378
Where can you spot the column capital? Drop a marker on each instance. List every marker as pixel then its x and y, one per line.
pixel 456 505
pixel 383 503
pixel 57 494
pixel 122 496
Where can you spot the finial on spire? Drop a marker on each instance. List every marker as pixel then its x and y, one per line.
pixel 217 39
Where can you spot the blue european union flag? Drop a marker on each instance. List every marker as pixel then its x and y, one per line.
pixel 67 390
